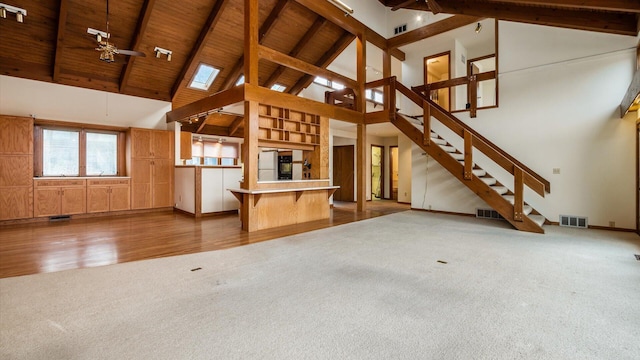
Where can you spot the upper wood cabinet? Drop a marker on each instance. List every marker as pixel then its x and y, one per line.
pixel 151 144
pixel 185 145
pixel 16 135
pixel 16 167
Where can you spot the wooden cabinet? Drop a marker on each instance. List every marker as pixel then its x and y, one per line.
pixel 281 125
pixel 105 195
pixel 186 152
pixel 16 167
pixel 151 168
pixel 59 197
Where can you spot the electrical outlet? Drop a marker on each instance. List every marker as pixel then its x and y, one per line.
pixel 612 224
pixel 556 170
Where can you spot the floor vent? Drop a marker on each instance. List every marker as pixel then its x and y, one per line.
pixel 59 218
pixel 573 221
pixel 637 257
pixel 399 29
pixel 488 214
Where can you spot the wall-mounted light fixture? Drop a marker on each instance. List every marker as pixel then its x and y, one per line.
pixel 478 28
pixel 160 51
pixel 20 13
pixel 344 7
pixel 99 34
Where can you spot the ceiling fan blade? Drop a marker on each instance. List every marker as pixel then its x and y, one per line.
pixel 131 53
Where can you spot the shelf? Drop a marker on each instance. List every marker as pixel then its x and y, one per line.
pixel 285 125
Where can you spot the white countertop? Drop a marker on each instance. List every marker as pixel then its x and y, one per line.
pixel 272 191
pixel 291 181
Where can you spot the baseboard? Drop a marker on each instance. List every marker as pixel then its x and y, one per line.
pixel 85 216
pixel 445 212
pixel 406 203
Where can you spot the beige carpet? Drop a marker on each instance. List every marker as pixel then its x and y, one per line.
pixel 411 285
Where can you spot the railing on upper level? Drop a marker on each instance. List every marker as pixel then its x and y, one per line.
pixel 472 139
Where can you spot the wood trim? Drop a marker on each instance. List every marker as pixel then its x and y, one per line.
pixel 235 125
pixel 74 125
pixel 638 177
pixel 430 30
pixel 443 212
pixel 220 99
pixel 382 169
pixel 196 51
pixel 390 177
pixel 607 5
pixel 632 93
pixel 141 28
pixel 440 84
pixel 62 23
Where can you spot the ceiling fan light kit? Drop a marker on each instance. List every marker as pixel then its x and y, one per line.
pixel 160 51
pixel 20 13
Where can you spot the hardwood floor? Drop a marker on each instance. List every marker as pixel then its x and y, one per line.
pixel 82 243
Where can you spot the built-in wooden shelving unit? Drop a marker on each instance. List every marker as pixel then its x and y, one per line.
pixel 288 126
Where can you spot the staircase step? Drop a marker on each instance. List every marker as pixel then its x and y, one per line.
pixel 489 180
pixel 439 141
pixel 449 149
pixel 500 189
pixel 511 199
pixel 458 156
pixel 538 219
pixel 461 161
pixel 479 172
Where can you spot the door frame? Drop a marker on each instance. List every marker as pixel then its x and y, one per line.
pixel 391 147
pixel 382 182
pixel 425 70
pixel 638 176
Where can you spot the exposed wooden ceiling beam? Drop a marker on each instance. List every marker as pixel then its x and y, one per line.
pixel 608 5
pixel 141 28
pixel 218 100
pixel 235 125
pixel 62 24
pixel 403 4
pixel 306 38
pixel 202 124
pixel 205 33
pixel 607 22
pixel 433 29
pixel 348 23
pixel 633 92
pixel 266 27
pixel 326 59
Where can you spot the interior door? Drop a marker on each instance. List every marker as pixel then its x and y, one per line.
pixel 437 68
pixel 393 171
pixel 377 169
pixel 343 168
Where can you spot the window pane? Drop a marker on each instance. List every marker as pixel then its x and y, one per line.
pixel 228 161
pixel 211 161
pixel 60 152
pixel 102 154
pixel 378 97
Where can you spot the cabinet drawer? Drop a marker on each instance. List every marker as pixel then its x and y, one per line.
pixel 109 182
pixel 45 183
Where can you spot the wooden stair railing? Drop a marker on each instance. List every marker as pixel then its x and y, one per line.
pixel 523 176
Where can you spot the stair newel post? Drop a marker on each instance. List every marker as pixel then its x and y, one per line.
pixel 472 92
pixel 426 120
pixel 518 188
pixel 468 155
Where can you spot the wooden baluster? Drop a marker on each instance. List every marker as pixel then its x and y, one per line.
pixel 468 155
pixel 426 120
pixel 473 95
pixel 518 188
pixel 392 98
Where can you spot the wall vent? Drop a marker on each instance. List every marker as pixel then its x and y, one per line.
pixel 488 214
pixel 59 218
pixel 399 29
pixel 574 221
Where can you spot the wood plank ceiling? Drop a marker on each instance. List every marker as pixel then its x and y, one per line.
pixel 53 45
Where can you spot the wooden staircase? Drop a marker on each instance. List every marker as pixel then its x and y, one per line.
pixel 507 201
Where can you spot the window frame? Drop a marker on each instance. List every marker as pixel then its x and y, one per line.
pixel 82 129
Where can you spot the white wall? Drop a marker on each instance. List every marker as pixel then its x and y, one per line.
pixel 559 96
pixel 22 97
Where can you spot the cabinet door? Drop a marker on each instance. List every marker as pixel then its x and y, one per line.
pixel 46 202
pixel 231 180
pixel 120 198
pixel 162 182
pixel 141 183
pixel 162 142
pixel 73 200
pixel 15 202
pixel 212 183
pixel 16 170
pixel 185 145
pixel 97 199
pixel 141 143
pixel 16 135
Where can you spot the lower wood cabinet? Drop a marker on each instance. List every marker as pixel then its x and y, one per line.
pixel 108 195
pixel 15 202
pixel 59 197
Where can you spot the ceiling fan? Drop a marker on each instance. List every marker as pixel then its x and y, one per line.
pixel 108 49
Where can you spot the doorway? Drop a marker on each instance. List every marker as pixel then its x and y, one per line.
pixel 343 169
pixel 437 68
pixel 393 171
pixel 638 177
pixel 377 168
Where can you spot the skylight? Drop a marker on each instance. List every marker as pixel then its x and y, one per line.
pixel 240 80
pixel 204 76
pixel 278 87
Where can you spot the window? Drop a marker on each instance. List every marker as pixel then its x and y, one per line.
pixel 214 152
pixel 60 153
pixel 278 87
pixel 68 151
pixel 376 96
pixel 203 77
pixel 102 154
pixel 322 81
pixel 240 80
pixel 337 86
